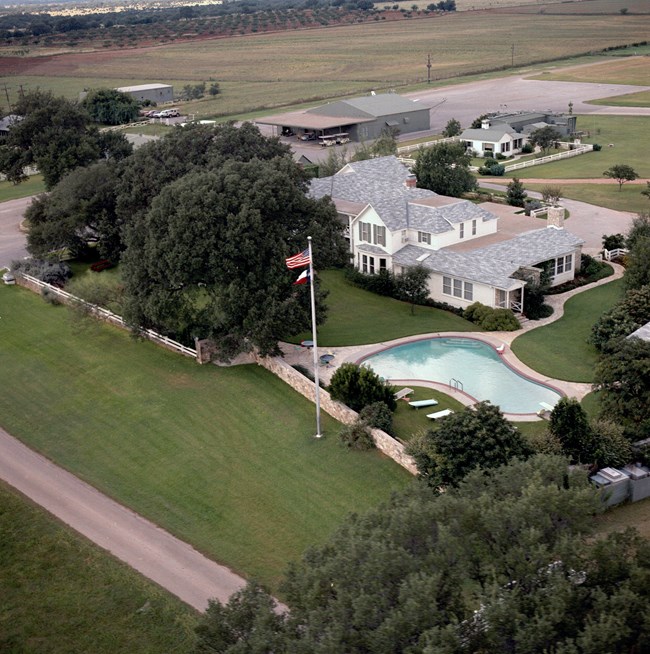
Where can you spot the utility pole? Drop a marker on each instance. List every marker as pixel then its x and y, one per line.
pixel 22 92
pixel 8 102
pixel 429 68
pixel 512 56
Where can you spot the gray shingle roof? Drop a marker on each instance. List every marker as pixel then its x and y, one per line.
pixel 380 183
pixel 533 247
pixel 491 135
pixel 383 104
pixel 494 264
pixel 461 264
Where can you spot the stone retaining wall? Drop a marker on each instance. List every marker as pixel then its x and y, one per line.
pixel 384 442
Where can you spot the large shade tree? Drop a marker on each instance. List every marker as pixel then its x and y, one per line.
pixel 444 169
pixel 207 260
pixel 55 136
pixel 476 438
pixel 503 563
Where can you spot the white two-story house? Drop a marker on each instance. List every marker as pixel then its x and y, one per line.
pixel 392 225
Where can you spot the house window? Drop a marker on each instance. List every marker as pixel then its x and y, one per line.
pixel 371 265
pixel 487 147
pixel 364 232
pixel 473 227
pixel 568 262
pixel 364 263
pixel 457 288
pixel 461 230
pixel 559 265
pixel 505 147
pixel 379 235
pixel 424 237
pixel 382 264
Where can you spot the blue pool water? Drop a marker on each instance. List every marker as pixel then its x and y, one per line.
pixel 475 364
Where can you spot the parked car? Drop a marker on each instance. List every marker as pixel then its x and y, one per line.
pixel 168 113
pixel 308 136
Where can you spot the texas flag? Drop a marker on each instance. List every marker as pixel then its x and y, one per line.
pixel 303 279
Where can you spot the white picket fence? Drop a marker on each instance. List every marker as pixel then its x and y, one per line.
pixel 581 149
pixel 608 255
pixel 111 317
pixel 405 149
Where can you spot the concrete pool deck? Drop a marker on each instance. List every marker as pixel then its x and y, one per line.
pixel 296 354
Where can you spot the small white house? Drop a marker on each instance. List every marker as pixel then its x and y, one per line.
pixel 392 225
pixel 491 139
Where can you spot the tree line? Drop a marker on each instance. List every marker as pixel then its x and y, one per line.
pixel 200 220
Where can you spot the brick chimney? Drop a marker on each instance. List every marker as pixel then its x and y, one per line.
pixel 555 217
pixel 410 181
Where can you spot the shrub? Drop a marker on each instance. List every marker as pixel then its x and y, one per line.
pixel 381 284
pixel 500 156
pixel 50 297
pixel 492 320
pixel 356 436
pixel 527 148
pixel 597 147
pixel 531 205
pixel 359 386
pixel 55 273
pixel 610 446
pixel 494 169
pixel 613 241
pixel 378 416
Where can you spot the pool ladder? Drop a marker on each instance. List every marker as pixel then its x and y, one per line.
pixel 457 384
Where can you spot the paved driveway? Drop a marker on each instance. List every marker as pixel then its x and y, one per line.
pixel 155 553
pixel 12 240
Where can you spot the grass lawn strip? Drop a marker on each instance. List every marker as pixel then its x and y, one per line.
pixel 11 191
pixel 61 594
pixel 221 457
pixel 623 70
pixel 358 317
pixel 560 350
pixel 640 99
pixel 629 198
pixel 408 422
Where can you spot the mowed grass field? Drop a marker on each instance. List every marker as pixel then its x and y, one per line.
pixel 560 350
pixel 61 594
pixel 358 317
pixel 11 191
pixel 626 134
pixel 619 70
pixel 224 458
pixel 640 99
pixel 281 69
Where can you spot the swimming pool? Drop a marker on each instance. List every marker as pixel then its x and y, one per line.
pixel 480 370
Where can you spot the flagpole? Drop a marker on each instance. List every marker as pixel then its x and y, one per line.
pixel 313 336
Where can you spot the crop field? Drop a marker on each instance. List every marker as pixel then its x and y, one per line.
pixel 584 8
pixel 270 70
pixel 622 70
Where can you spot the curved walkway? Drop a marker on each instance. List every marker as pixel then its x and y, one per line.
pixel 171 563
pixel 344 354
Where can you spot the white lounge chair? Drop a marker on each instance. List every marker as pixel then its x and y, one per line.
pixel 403 393
pixel 439 414
pixel 417 404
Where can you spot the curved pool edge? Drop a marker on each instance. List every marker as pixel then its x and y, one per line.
pixel 492 339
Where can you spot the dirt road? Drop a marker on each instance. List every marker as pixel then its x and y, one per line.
pixel 155 553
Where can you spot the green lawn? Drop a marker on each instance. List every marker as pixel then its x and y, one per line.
pixel 408 421
pixel 560 349
pixel 61 594
pixel 625 133
pixel 32 186
pixel 357 317
pixel 640 99
pixel 222 457
pixel 629 198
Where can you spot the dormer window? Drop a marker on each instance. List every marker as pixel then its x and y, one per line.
pixel 424 237
pixel 379 235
